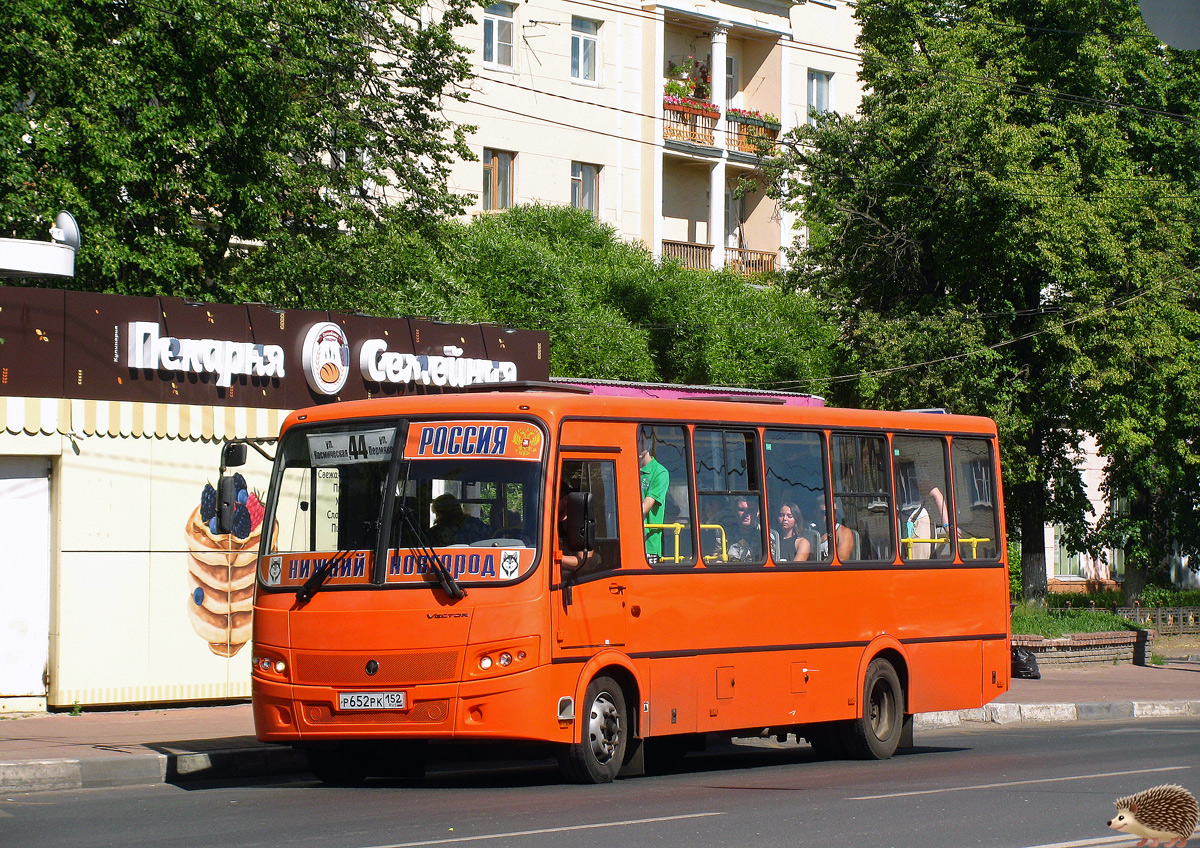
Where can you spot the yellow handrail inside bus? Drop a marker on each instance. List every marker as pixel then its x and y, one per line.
pixel 677 528
pixel 973 541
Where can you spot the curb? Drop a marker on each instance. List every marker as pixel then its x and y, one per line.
pixel 1039 713
pixel 143 769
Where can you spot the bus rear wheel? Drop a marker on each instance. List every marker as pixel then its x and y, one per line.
pixel 876 734
pixel 598 755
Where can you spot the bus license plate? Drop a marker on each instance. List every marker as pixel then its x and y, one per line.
pixel 371 701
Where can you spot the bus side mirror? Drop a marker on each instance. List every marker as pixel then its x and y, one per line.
pixel 234 455
pixel 579 526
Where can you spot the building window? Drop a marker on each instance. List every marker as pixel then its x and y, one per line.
pixel 820 94
pixel 1066 561
pixel 584 37
pixel 497 178
pixel 731 81
pixel 498 35
pixel 585 187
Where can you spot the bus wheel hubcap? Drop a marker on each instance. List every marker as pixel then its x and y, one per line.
pixel 881 710
pixel 604 728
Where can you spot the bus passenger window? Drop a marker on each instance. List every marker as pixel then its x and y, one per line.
pixel 600 478
pixel 862 495
pixel 796 496
pixel 921 497
pixel 665 495
pixel 729 485
pixel 975 499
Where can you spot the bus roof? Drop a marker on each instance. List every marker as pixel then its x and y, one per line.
pixel 555 401
pixel 620 388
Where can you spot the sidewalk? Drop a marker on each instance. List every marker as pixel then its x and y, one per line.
pixel 43 751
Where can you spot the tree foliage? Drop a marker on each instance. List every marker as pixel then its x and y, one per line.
pixel 612 310
pixel 176 131
pixel 1018 188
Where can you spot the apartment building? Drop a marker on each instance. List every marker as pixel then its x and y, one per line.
pixel 651 116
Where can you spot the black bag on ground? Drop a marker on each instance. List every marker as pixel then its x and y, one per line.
pixel 1024 664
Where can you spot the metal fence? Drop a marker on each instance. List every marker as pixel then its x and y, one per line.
pixel 1168 621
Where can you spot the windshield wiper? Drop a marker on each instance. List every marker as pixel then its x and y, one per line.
pixel 444 578
pixel 313 584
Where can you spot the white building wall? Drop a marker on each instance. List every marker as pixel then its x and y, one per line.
pixel 537 112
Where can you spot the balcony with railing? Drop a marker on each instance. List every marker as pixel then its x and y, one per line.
pixel 699 256
pixel 688 254
pixel 686 119
pixel 750 132
pixel 750 262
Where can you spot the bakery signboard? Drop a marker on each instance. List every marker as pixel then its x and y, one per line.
pixel 170 350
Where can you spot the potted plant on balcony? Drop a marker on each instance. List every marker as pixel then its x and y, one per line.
pixel 752 117
pixel 687 79
pixel 689 105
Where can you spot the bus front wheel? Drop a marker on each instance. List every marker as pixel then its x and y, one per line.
pixel 597 756
pixel 876 734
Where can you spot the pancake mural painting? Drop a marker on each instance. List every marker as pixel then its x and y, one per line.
pixel 221 568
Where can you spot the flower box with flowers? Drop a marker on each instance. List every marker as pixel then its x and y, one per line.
pixel 691 105
pixel 752 118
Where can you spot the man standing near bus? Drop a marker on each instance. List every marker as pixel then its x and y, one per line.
pixel 655 481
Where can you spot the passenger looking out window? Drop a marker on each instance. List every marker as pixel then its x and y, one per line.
pixel 794 544
pixel 795 479
pixel 746 536
pixel 729 485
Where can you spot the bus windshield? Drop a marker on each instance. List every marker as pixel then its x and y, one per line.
pixel 330 495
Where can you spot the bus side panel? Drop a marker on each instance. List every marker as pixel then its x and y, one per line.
pixel 946 676
pixel 674 705
pixel 997 668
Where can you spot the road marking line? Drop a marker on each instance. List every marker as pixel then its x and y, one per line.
pixel 1123 841
pixel 1013 783
pixel 542 830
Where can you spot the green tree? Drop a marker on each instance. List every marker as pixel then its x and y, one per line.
pixel 1018 172
pixel 177 131
pixel 612 311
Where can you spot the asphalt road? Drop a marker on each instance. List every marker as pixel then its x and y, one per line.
pixel 1001 787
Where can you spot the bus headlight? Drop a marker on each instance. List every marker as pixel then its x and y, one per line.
pixel 504 657
pixel 271 665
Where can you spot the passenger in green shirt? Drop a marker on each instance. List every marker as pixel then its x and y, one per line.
pixel 655 480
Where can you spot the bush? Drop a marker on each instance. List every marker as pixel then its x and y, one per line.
pixel 1075 600
pixel 1036 621
pixel 1157 596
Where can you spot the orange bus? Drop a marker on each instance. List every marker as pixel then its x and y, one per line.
pixel 608 573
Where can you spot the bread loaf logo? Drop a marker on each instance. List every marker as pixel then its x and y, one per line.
pixel 326 358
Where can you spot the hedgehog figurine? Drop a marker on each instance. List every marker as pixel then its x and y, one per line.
pixel 1166 813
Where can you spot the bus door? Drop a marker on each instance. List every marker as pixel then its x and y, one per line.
pixel 590 600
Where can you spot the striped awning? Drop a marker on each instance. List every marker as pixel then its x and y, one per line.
pixel 47 416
